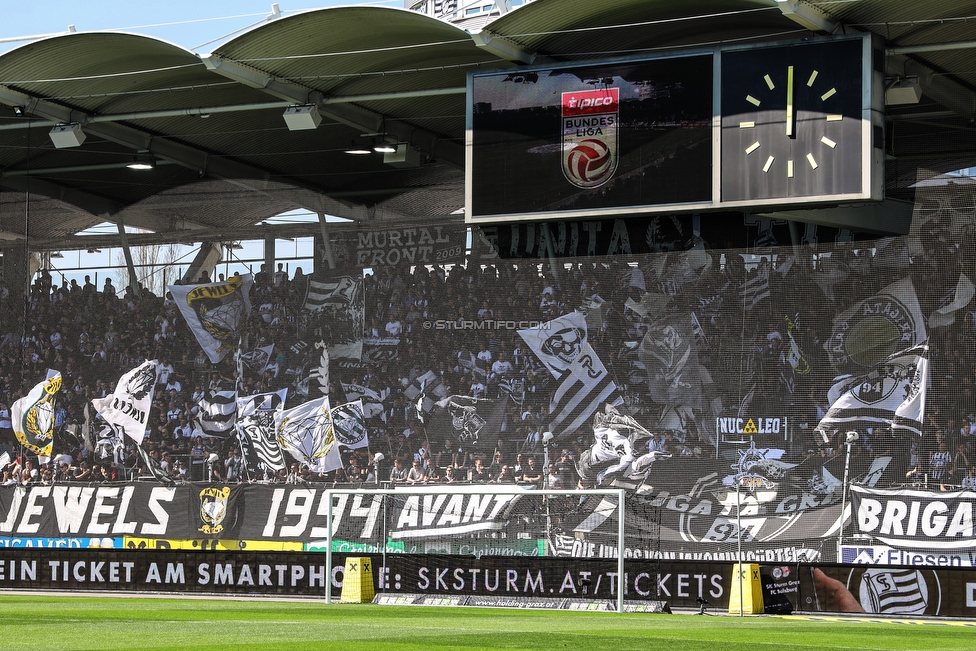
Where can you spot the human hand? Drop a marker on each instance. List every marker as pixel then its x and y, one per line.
pixel 835 595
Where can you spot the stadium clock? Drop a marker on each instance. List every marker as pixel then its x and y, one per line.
pixel 792 121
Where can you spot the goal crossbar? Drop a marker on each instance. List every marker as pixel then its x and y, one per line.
pixel 473 489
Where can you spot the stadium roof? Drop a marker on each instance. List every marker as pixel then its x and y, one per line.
pixel 213 126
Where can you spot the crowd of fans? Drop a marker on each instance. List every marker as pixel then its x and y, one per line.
pixel 92 335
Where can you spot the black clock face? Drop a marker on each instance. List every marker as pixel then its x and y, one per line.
pixel 792 121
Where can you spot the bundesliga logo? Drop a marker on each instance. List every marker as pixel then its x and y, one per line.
pixel 589 120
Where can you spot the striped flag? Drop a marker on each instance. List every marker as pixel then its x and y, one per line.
pixel 756 289
pixel 258 442
pixel 338 311
pixel 256 430
pixel 339 290
pixel 889 591
pixel 217 413
pixel 152 465
pixel 585 387
pixel 669 352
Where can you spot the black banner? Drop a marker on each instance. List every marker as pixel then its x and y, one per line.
pixel 394 246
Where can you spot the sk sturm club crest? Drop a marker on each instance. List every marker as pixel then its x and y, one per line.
pixel 589 119
pixel 213 509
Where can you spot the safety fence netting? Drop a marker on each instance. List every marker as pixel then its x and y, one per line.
pixel 711 366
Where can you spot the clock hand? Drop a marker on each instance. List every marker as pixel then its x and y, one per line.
pixel 790 131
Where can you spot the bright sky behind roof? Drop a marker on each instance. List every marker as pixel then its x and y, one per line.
pixel 187 23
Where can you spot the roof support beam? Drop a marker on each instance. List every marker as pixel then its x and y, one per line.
pixel 77 199
pixel 240 174
pixel 503 47
pixel 350 114
pixel 197 111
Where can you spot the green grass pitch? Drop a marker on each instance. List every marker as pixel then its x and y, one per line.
pixel 80 623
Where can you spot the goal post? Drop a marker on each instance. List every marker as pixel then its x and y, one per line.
pixel 469 521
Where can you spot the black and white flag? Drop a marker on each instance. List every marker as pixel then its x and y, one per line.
pixel 892 393
pixel 153 466
pixel 472 421
pixel 257 360
pixel 427 388
pixel 349 424
pixel 669 352
pixel 558 343
pixel 337 306
pixel 584 388
pixel 215 312
pixel 873 328
pixel 217 413
pixel 372 400
pixel 756 289
pixel 306 433
pixel 128 406
pixel 256 429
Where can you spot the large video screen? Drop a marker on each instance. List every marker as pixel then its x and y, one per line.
pixel 591 138
pixel 783 126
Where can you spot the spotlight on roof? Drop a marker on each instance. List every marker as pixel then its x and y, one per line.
pixel 67 135
pixel 142 161
pixel 302 118
pixel 903 91
pixel 360 147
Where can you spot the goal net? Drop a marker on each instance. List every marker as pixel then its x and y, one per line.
pixel 483 541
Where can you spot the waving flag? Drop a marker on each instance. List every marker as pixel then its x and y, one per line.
pixel 338 308
pixel 256 429
pixel 33 416
pixel 215 312
pixel 349 423
pixel 892 393
pixel 257 360
pixel 867 333
pixel 217 413
pixel 306 433
pixel 559 342
pixel 128 406
pixel 669 351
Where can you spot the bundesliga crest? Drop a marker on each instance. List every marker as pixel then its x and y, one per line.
pixel 589 122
